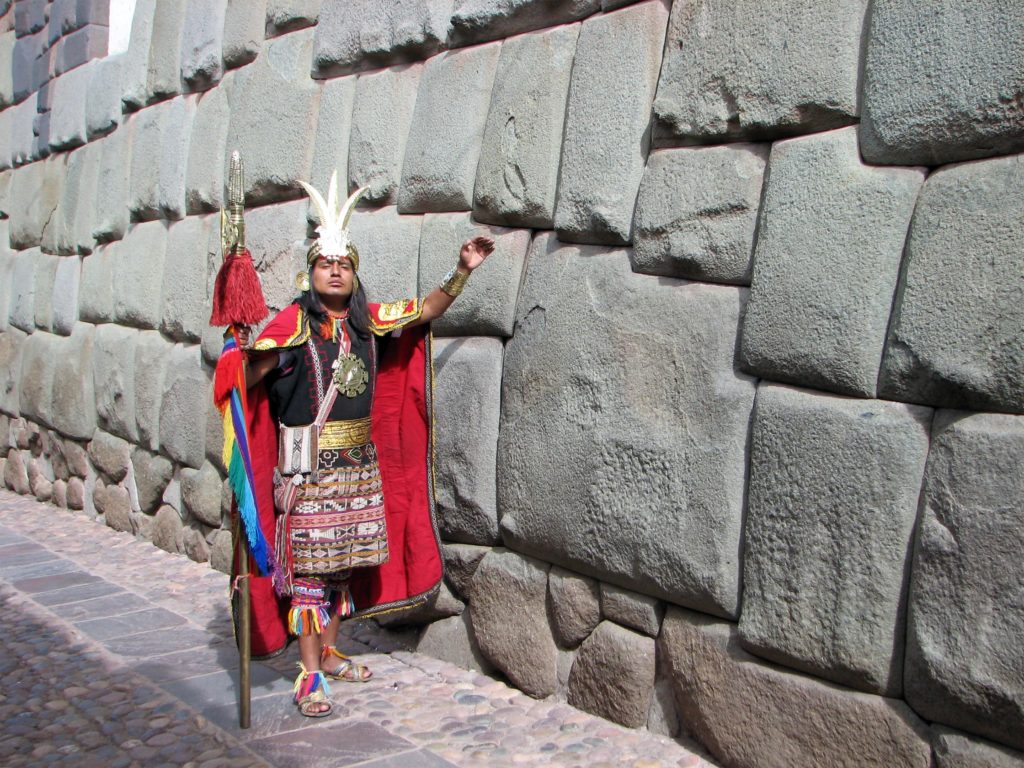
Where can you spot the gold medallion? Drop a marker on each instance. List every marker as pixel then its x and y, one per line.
pixel 350 375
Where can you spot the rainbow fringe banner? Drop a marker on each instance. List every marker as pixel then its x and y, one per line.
pixel 229 397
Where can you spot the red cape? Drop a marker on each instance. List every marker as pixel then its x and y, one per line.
pixel 403 432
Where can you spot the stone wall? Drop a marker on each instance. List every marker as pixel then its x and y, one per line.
pixel 729 426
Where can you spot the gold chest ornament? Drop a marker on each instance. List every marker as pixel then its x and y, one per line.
pixel 350 374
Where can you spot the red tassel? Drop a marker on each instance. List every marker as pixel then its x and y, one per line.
pixel 237 295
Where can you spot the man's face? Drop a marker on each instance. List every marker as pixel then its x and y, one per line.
pixel 333 278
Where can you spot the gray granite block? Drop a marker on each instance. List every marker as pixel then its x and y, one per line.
pixel 607 126
pixel 389 247
pixel 183 409
pixel 113 185
pixel 244 24
pixel 202 44
pixel 139 269
pixel 114 378
pixel 152 358
pixel 96 290
pixel 208 150
pixel 103 96
pixel 193 251
pixel 163 76
pixel 476 21
pixel 331 144
pixel 288 15
pixel 64 297
pixel 826 264
pixel 73 398
pixel 135 94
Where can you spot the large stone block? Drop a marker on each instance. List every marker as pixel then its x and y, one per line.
pixel 12 342
pixel 22 311
pixel 96 290
pixel 958 750
pixel 22 133
pixel 45 277
pixel 160 151
pixel 7 69
pixel 163 78
pixel 639 612
pixel 202 35
pixel 460 563
pixel 507 599
pixel 333 125
pixel 74 399
pixel 39 188
pixel 441 154
pixel 487 306
pixel 7 123
pixel 201 493
pixel 754 715
pixel 208 152
pixel 103 96
pixel 381 118
pixel 364 34
pixel 607 126
pixel 832 503
pixel 452 640
pixel 826 264
pixel 389 246
pixel 277 147
pixel 71 226
pixel 475 21
pixel 696 212
pixel 271 234
pixel 955 339
pixel 35 389
pixel 193 247
pixel 793 71
pixel 27 50
pixel 113 186
pixel 517 176
pixel 942 82
pixel 152 358
pixel 64 298
pixel 287 15
pixel 244 25
pixel 641 476
pixel 613 675
pixel 135 90
pixel 6 280
pixel 152 474
pixel 467 394
pixel 114 377
pixel 184 406
pixel 965 661
pixel 575 606
pixel 67 115
pixel 139 267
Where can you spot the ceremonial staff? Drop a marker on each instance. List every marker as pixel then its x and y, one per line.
pixel 238 301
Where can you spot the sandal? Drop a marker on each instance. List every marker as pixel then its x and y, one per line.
pixel 311 694
pixel 347 670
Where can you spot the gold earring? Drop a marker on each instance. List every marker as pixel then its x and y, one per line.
pixel 302 281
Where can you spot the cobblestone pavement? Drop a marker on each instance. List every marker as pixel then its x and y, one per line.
pixel 117 654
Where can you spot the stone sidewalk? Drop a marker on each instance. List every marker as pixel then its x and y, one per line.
pixel 118 654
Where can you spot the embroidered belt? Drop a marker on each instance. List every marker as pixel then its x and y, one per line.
pixel 345 434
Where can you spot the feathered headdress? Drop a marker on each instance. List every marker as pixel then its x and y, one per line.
pixel 332 235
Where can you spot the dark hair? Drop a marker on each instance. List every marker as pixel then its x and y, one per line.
pixel 358 310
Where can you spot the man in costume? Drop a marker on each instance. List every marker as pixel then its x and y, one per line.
pixel 354 527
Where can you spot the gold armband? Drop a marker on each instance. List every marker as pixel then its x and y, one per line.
pixel 454 282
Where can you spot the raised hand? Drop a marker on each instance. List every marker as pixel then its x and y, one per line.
pixel 474 251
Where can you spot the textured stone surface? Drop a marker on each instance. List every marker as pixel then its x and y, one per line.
pixel 195 546
pixel 607 126
pixel 45 276
pixel 21 117
pixel 957 96
pixel 244 24
pixel 389 246
pixel 168 532
pixel 64 297
pixel 381 118
pixel 642 476
pixel 955 339
pixel 441 154
pixel 96 290
pixel 460 563
pixel 201 492
pixel 575 606
pixel 753 715
pixel 152 473
pixel 331 143
pixel 474 21
pixel 74 399
pixel 271 234
pixel 7 70
pixel 139 267
pixel 39 358
pixel 613 675
pixel 277 148
pixel 184 407
pixel 794 71
pixel 135 70
pixel 40 186
pixel 11 345
pixel 110 455
pixel 286 15
pixel 452 640
pixel 67 115
pixel 103 96
pixel 22 311
pixel 221 551
pixel 77 210
pixel 965 662
pixel 366 33
pixel 487 305
pixel 958 750
pixel 163 77
pixel 639 612
pixel 467 395
pixel 113 503
pixel 202 34
pixel 76 493
pixel 826 264
pixel 114 377
pixel 152 357
pixel 160 150
pixel 696 212
pixel 15 474
pixel 208 153
pixel 193 248
pixel 112 186
pixel 517 176
pixel 6 277
pixel 507 598
pixel 832 503
pixel 441 605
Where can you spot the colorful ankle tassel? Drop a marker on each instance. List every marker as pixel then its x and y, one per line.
pixel 344 605
pixel 307 682
pixel 309 620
